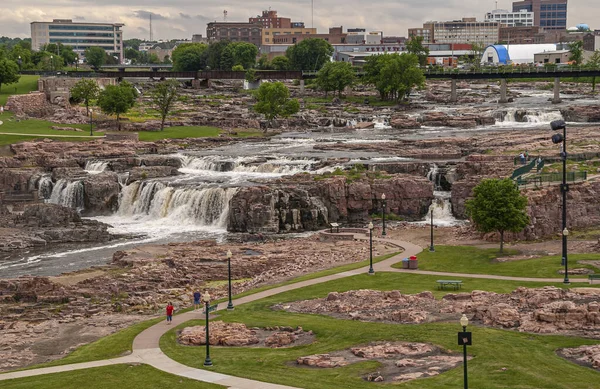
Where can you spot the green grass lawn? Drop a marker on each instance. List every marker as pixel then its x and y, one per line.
pixel 530 360
pixel 119 343
pixel 465 259
pixel 35 126
pixel 108 377
pixel 26 84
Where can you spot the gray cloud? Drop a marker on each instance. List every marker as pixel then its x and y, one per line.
pixel 146 15
pixel 182 18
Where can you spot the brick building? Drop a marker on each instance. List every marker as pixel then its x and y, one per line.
pixel 269 19
pixel 234 32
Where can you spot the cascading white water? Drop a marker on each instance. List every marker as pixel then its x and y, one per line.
pixel 180 206
pixel 434 176
pixel 95 167
pixel 45 186
pixel 513 116
pixel 442 211
pixel 245 164
pixel 68 194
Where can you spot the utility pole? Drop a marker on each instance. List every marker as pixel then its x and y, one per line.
pixel 151 28
pixel 312 14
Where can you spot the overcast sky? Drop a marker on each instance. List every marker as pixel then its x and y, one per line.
pixel 172 19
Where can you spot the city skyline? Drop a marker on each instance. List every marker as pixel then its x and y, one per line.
pixel 183 18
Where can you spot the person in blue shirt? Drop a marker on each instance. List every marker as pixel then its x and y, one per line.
pixel 197 296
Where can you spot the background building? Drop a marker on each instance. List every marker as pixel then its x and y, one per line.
pixel 79 36
pixel 520 35
pixel 510 19
pixel 467 30
pixel 269 19
pixel 549 14
pixel 269 35
pixel 235 32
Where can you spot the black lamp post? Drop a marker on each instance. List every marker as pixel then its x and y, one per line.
pixel 76 63
pixel 431 247
pixel 91 120
pixel 206 299
pixel 230 305
pixel 464 339
pixel 383 204
pixel 371 271
pixel 564 188
pixel 52 62
pixel 20 62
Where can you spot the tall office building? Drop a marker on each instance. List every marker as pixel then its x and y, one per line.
pixel 235 32
pixel 548 14
pixel 79 36
pixel 522 18
pixel 467 30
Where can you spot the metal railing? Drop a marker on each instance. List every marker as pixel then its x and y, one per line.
pixel 523 169
pixel 512 69
pixel 540 180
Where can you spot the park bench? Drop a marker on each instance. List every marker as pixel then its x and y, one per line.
pixel 593 277
pixel 456 284
pixel 334 225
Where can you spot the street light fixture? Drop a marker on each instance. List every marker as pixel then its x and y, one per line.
pixel 52 62
pixel 383 233
pixel 206 300
pixel 91 120
pixel 20 62
pixel 230 305
pixel 431 247
pixel 76 63
pixel 464 339
pixel 371 271
pixel 557 125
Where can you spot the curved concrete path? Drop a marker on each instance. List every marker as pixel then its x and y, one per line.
pixel 146 347
pixel 51 135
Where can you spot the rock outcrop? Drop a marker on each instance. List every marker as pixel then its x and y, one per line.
pixel 543 310
pixel 304 204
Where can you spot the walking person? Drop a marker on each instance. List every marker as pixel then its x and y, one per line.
pixel 197 296
pixel 1 109
pixel 522 158
pixel 170 309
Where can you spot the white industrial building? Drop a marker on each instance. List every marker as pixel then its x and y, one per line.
pixel 522 18
pixel 513 54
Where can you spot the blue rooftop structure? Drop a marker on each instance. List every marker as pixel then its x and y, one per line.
pixel 501 52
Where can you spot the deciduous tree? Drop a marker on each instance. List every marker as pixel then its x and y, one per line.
pixel 394 76
pixel 84 91
pixel 117 100
pixel 335 76
pixel 163 98
pixel 273 101
pixel 309 54
pixel 9 72
pixel 415 46
pixel 188 57
pixel 497 205
pixel 576 50
pixel 95 56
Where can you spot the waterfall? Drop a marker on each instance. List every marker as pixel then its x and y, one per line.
pixel 95 167
pixel 442 210
pixel 68 193
pixel 434 176
pixel 155 200
pixel 245 164
pixel 512 116
pixel 44 186
pixel 123 178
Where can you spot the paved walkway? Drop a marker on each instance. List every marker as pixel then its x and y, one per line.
pixel 146 345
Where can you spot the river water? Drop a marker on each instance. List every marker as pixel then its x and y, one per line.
pixel 194 205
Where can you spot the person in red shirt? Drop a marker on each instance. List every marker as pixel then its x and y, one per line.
pixel 170 309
